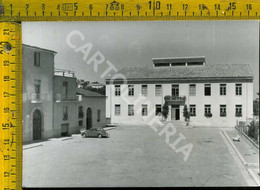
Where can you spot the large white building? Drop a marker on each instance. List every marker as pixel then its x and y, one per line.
pixel 215 95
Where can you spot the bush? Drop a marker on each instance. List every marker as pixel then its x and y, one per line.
pixel 208 115
pixel 253 130
pixel 165 110
pixel 186 113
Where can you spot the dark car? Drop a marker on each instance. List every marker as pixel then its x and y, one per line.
pixel 94 132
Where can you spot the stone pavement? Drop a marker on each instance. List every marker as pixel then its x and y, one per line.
pixel 133 156
pixel 248 153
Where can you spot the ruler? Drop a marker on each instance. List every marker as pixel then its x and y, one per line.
pixel 10 106
pixel 12 12
pixel 83 10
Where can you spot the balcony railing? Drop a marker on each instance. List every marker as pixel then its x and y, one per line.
pixel 192 114
pixel 238 114
pixel 60 98
pixel 65 116
pixel 81 114
pixel 175 100
pixel 223 114
pixel 65 73
pixel 38 97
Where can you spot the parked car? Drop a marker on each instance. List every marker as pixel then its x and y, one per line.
pixel 94 132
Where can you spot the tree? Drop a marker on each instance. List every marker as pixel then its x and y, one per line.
pixel 186 113
pixel 165 110
pixel 256 106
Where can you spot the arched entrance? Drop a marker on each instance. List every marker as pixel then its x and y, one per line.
pixel 37 125
pixel 89 119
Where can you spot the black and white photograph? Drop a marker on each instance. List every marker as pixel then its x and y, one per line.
pixel 140 104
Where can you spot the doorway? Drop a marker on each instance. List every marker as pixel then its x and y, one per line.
pixel 37 125
pixel 64 130
pixel 89 119
pixel 175 112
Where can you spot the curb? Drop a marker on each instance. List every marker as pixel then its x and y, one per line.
pixel 109 128
pixel 66 139
pixel 235 148
pixel 252 174
pixel 33 146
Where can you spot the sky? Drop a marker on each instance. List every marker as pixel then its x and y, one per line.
pixel 128 44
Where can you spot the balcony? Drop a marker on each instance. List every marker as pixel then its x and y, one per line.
pixel 38 97
pixel 81 114
pixel 65 116
pixel 64 73
pixel 175 100
pixel 223 114
pixel 60 98
pixel 238 114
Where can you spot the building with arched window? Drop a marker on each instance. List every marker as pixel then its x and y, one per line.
pixel 38 69
pixel 52 102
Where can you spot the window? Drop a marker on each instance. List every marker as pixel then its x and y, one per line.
pixel 80 123
pixel 207 109
pixel 130 110
pixel 130 90
pixel 192 110
pixel 144 90
pixel 65 90
pixel 37 59
pixel 158 109
pixel 37 89
pixel 175 90
pixel 117 109
pixel 223 110
pixel 238 110
pixel 81 113
pixel 144 110
pixel 98 115
pixel 207 90
pixel 192 89
pixel 158 90
pixel 238 89
pixel 117 90
pixel 65 113
pixel 222 89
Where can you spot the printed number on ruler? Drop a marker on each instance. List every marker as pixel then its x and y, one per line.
pixel 129 9
pixel 10 106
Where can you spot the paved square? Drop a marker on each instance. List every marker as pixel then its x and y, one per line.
pixel 132 156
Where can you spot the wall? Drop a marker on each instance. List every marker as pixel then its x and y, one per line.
pixel 44 73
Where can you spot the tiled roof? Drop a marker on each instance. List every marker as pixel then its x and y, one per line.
pixel 88 93
pixel 39 48
pixel 180 72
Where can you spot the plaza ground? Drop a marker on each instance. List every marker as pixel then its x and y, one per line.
pixel 132 156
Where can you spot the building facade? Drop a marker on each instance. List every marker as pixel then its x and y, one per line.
pixel 38 69
pixel 215 95
pixel 91 109
pixel 51 104
pixel 65 103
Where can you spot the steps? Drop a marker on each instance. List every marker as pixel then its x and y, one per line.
pixel 179 123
